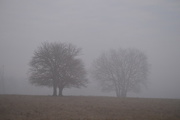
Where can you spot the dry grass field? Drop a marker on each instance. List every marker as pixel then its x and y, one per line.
pixel 21 107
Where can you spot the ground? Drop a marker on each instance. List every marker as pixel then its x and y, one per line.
pixel 22 107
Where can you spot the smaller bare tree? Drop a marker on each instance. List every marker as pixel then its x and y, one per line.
pixel 123 70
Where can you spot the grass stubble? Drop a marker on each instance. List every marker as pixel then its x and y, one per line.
pixel 22 107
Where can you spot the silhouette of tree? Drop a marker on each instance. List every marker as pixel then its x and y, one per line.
pixel 57 65
pixel 122 70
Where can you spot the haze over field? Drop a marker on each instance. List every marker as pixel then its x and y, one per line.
pixel 96 26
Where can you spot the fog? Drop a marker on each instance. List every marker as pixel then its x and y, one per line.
pixel 95 26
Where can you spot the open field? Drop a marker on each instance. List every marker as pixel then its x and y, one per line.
pixel 21 107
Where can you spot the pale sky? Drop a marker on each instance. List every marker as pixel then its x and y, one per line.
pixel 153 26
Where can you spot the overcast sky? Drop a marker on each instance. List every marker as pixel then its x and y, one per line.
pixel 153 26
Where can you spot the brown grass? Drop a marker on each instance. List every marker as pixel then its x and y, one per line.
pixel 21 107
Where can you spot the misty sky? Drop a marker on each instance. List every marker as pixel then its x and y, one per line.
pixel 153 26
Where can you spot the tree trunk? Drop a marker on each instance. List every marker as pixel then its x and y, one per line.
pixel 54 90
pixel 124 93
pixel 60 91
pixel 118 90
pixel 118 93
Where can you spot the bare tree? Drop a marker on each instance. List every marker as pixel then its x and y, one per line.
pixel 56 65
pixel 123 70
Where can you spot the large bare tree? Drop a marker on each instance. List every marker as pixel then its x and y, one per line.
pixel 121 70
pixel 57 65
